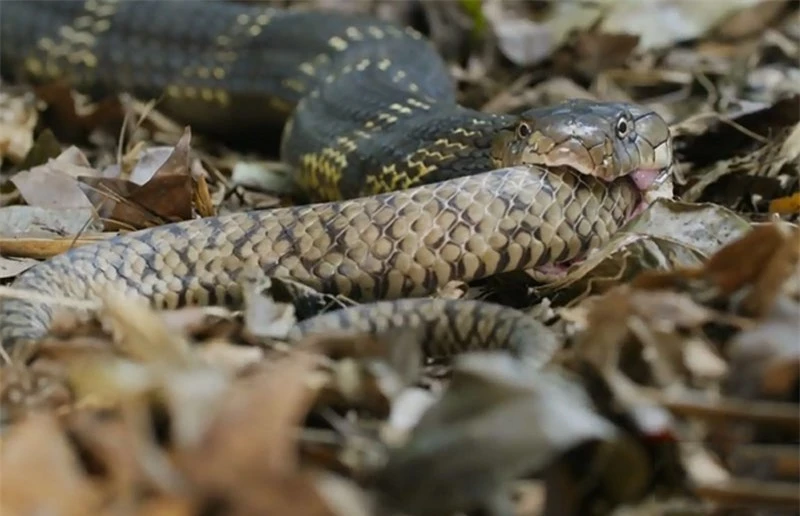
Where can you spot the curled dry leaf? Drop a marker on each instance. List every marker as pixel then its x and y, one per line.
pixel 704 227
pixel 747 274
pixel 624 257
pixel 606 328
pixel 152 161
pixel 160 189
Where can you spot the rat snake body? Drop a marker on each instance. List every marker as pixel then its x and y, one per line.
pixel 399 171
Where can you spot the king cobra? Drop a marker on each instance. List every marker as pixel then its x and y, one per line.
pixel 409 189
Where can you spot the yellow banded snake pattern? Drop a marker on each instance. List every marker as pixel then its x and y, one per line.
pixel 407 198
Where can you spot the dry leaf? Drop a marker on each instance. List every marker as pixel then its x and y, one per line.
pixel 138 330
pixel 126 205
pixel 53 184
pixel 258 419
pixel 498 420
pixel 10 267
pixel 37 449
pixel 33 221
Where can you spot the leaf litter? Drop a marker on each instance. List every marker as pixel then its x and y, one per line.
pixel 674 389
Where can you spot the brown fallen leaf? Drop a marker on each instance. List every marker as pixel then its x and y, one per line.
pixel 38 449
pixel 758 262
pixel 258 418
pixel 176 161
pixel 160 201
pixel 653 336
pixel 160 189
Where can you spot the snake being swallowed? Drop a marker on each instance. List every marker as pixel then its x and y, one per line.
pixel 411 190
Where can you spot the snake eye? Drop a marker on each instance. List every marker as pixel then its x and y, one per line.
pixel 623 127
pixel 523 130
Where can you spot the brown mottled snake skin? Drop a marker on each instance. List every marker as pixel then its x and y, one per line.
pixel 412 190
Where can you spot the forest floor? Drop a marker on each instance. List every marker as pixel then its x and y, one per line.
pixel 675 390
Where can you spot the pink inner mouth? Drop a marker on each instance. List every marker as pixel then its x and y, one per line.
pixel 644 179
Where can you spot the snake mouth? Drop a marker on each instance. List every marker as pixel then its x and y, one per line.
pixel 573 155
pixel 649 184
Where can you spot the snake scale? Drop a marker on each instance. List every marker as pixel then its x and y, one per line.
pixel 410 190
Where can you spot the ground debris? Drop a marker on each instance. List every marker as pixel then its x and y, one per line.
pixel 674 390
pixel 717 345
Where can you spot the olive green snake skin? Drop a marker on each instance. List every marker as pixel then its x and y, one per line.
pixel 411 190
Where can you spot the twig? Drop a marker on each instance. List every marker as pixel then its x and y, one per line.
pixel 694 404
pixel 751 493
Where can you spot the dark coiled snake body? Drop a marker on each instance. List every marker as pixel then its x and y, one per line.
pixel 412 190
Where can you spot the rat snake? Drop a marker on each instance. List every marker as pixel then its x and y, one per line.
pixel 410 189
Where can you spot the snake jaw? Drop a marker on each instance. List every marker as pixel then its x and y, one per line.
pixel 651 184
